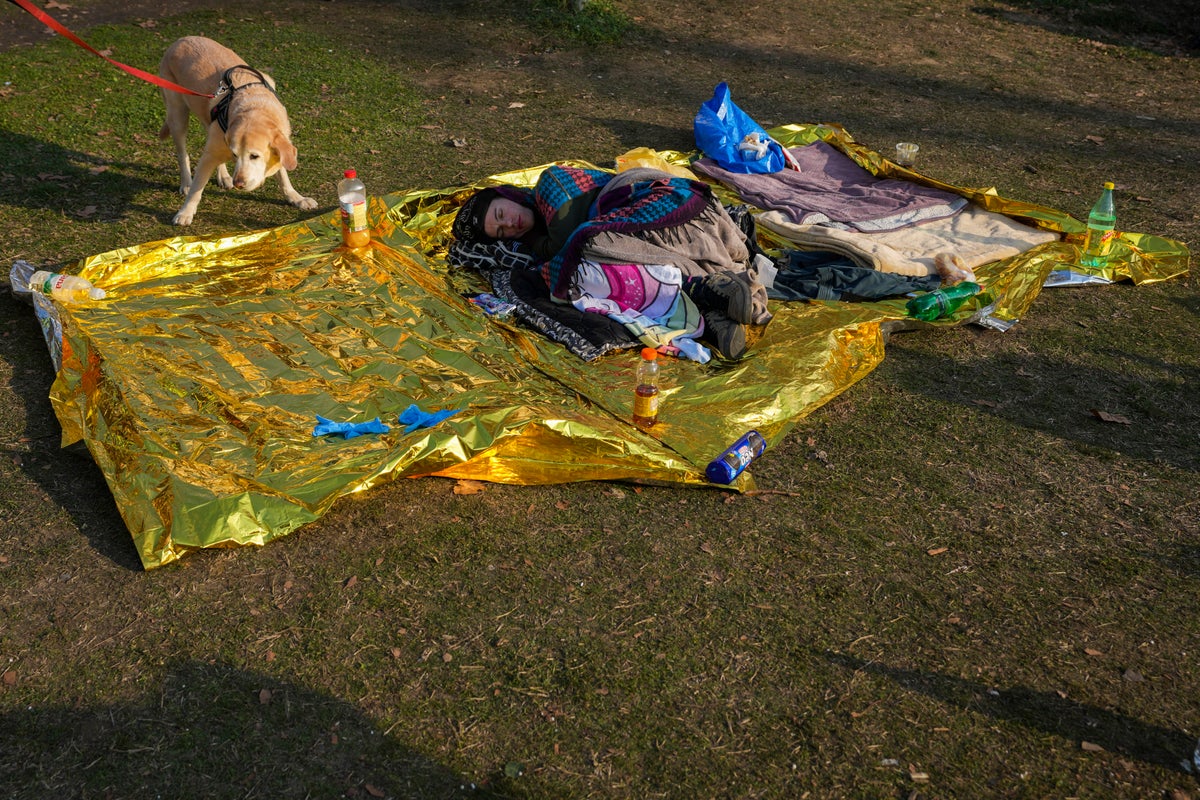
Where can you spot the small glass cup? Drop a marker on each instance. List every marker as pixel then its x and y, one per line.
pixel 906 153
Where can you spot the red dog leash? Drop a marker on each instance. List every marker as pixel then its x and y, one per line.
pixel 57 27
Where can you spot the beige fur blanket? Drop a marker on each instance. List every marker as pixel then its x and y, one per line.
pixel 975 235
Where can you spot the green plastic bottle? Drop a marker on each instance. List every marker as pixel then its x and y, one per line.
pixel 943 302
pixel 1100 234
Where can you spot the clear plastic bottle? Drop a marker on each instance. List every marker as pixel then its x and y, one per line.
pixel 352 197
pixel 645 395
pixel 65 288
pixel 1100 233
pixel 943 302
pixel 733 462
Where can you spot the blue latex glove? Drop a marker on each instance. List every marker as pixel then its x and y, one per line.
pixel 348 429
pixel 415 418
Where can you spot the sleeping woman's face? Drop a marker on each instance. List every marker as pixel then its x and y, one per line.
pixel 507 219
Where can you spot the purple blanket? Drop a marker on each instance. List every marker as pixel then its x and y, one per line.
pixel 830 189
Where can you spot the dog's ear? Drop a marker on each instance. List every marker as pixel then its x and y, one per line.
pixel 287 152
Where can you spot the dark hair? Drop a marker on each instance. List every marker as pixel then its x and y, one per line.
pixel 468 223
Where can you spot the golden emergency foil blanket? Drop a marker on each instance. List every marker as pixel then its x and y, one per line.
pixel 196 383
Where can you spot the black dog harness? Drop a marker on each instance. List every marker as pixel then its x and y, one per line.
pixel 220 112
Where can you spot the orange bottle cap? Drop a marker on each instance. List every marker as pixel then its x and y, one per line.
pixel 649 353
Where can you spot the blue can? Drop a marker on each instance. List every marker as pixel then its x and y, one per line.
pixel 733 462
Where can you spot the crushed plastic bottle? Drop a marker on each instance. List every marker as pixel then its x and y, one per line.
pixel 65 288
pixel 943 302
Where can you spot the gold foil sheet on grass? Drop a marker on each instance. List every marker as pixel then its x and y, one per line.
pixel 197 382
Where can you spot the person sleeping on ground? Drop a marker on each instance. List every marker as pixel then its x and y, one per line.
pixel 657 252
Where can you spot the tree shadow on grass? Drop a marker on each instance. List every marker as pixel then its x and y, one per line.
pixel 1040 711
pixel 216 731
pixel 69 476
pixel 636 133
pixel 40 174
pixel 92 190
pixel 1168 27
pixel 1152 419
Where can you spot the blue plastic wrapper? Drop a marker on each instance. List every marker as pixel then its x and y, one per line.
pixel 492 306
pixel 721 129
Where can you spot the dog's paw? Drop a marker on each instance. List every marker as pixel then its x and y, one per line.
pixel 184 217
pixel 305 203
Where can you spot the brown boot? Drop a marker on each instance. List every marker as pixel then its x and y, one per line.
pixel 722 292
pixel 726 335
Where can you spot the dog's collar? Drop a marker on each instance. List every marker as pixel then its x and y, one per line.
pixel 225 90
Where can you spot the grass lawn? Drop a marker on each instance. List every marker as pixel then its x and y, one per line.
pixel 960 580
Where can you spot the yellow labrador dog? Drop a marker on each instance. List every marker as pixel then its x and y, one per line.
pixel 245 121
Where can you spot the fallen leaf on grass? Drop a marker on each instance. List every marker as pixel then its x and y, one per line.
pixel 1090 747
pixel 936 551
pixel 374 791
pixel 10 677
pixel 516 105
pixel 1132 675
pixel 1094 138
pixel 465 486
pixel 350 582
pixel 86 211
pixel 1092 651
pixel 1105 416
pixel 264 696
pixel 917 775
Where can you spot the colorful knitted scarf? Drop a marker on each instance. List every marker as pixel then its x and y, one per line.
pixel 628 208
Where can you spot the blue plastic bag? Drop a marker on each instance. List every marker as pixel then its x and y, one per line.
pixel 728 135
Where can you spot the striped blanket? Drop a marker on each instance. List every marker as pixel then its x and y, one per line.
pixel 663 202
